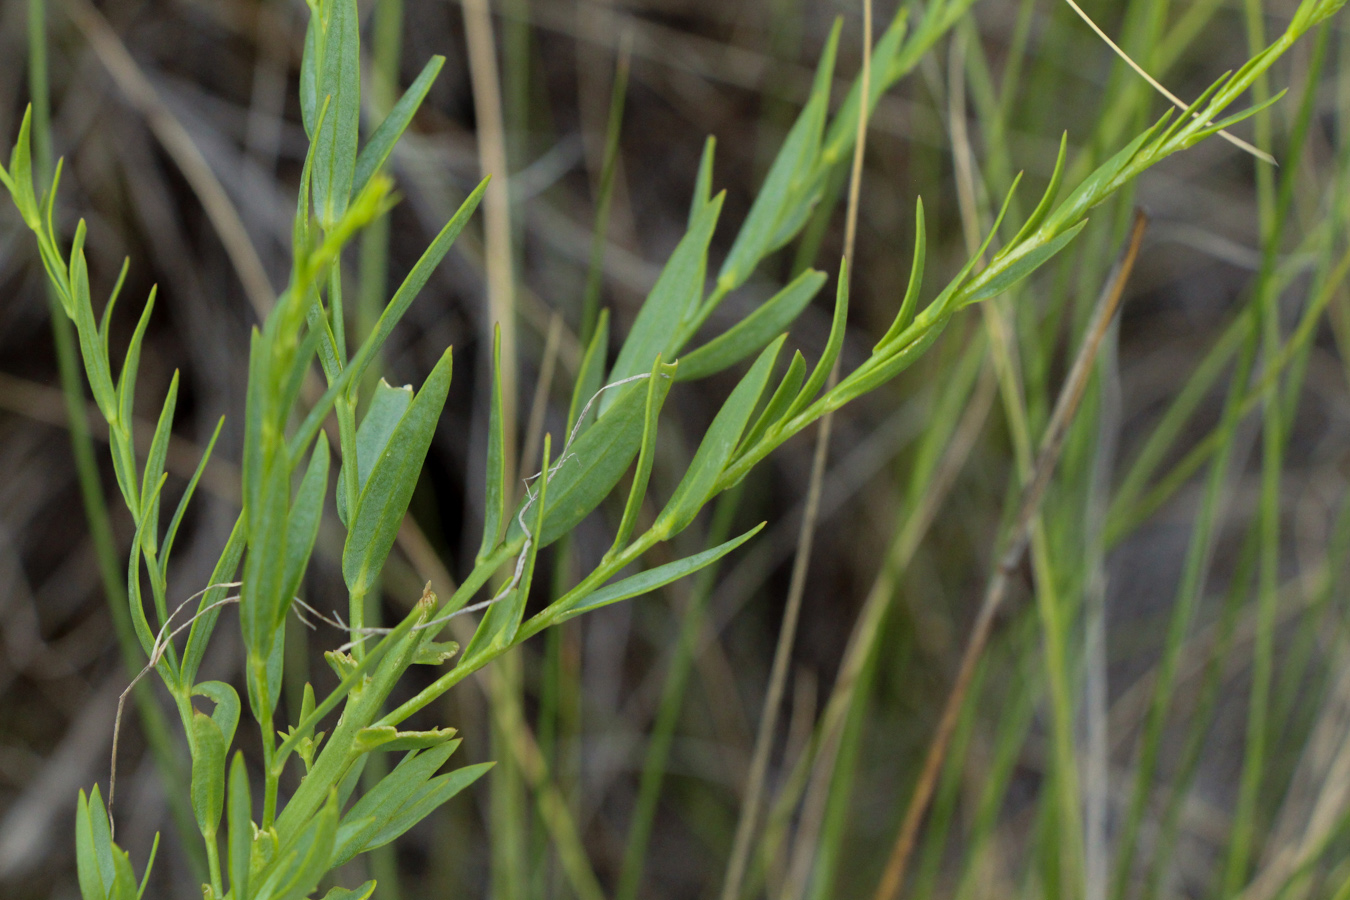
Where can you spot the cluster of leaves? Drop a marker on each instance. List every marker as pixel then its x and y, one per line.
pixel 612 425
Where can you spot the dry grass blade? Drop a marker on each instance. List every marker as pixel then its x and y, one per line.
pixel 179 145
pixel 768 723
pixel 1065 407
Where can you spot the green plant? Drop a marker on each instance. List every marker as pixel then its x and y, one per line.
pixel 287 848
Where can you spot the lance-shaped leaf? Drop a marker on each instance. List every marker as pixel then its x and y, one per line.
pixel 20 181
pixel 387 737
pixel 833 346
pixel 379 804
pixel 495 489
pixel 104 322
pixel 93 846
pixel 263 602
pixel 592 466
pixel 226 712
pixel 301 864
pixel 387 406
pixel 1021 266
pixel 91 345
pixel 335 143
pixel 636 585
pixel 502 620
pixel 361 893
pixel 208 773
pixel 676 293
pixel 154 463
pixel 382 142
pixel 239 820
pixel 658 386
pixel 204 622
pixel 717 446
pixel 437 793
pixel 172 532
pixel 785 185
pixel 403 298
pixel 778 402
pixel 910 304
pixel 590 375
pixel 749 335
pixel 384 499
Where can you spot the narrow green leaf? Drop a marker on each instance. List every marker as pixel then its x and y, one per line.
pixel 91 346
pixel 785 184
pixel 154 463
pixel 149 865
pixel 136 601
pixel 941 307
pixel 717 446
pixel 436 653
pixel 21 172
pixel 650 580
pixel 437 793
pixel 310 62
pixel 499 624
pixel 749 335
pixel 226 712
pixel 315 853
pixel 778 403
pixel 703 183
pixel 382 142
pixel 124 877
pixel 910 305
pixel 302 526
pixel 496 488
pixel 264 567
pixel 1047 199
pixel 183 501
pixel 380 803
pixel 384 499
pixel 403 298
pixel 674 296
pixel 86 854
pixel 833 346
pixel 126 380
pixel 1190 117
pixel 101 827
pixel 106 319
pixel 208 773
pixel 204 623
pixel 387 738
pixel 658 386
pixel 387 406
pixel 361 893
pixel 239 819
pixel 335 143
pixel 1021 266
pixel 1236 118
pixel 592 466
pixel 1092 189
pixel 590 375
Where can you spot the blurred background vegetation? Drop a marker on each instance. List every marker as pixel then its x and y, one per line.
pixel 1181 620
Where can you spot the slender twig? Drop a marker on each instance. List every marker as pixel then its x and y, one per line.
pixel 1020 536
